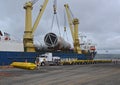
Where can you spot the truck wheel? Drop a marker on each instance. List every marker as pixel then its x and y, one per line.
pixel 42 64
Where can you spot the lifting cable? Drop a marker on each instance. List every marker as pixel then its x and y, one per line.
pixel 52 23
pixel 34 1
pixel 55 17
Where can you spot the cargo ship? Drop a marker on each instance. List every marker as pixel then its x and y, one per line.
pixel 11 51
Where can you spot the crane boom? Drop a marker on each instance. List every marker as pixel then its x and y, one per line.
pixel 73 24
pixel 69 20
pixel 39 16
pixel 29 30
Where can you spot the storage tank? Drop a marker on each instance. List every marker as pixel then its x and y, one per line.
pixel 56 42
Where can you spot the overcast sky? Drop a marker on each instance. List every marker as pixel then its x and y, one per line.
pixel 99 20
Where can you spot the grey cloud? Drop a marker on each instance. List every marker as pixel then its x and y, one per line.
pixel 98 18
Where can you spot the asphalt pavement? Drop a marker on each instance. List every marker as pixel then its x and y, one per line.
pixel 91 74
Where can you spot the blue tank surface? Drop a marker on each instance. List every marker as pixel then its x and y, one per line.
pixel 6 58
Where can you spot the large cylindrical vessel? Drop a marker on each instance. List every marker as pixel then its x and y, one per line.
pixel 56 42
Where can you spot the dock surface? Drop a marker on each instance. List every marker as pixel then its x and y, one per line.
pixel 90 74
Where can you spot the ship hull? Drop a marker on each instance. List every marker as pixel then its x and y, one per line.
pixel 6 57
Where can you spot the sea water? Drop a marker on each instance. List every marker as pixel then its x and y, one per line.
pixel 107 56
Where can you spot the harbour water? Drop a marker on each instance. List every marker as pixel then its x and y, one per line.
pixel 107 56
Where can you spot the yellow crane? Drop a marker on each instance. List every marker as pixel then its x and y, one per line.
pixel 73 24
pixel 29 30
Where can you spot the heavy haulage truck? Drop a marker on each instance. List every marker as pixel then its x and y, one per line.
pixel 47 59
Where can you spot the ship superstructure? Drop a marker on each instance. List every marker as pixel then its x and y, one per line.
pixel 7 43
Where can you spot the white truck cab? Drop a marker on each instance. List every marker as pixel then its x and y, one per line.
pixel 48 59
